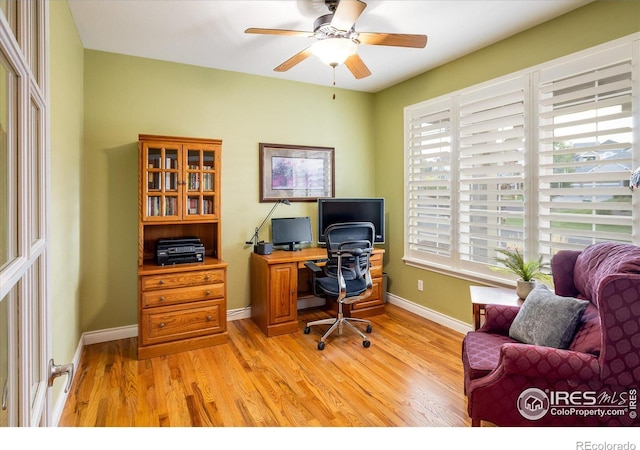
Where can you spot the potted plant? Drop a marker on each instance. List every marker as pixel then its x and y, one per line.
pixel 527 271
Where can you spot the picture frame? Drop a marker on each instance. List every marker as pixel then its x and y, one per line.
pixel 297 173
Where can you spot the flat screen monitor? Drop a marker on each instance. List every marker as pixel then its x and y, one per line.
pixel 291 231
pixel 337 210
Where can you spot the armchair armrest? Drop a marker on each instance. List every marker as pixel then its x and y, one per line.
pixel 498 318
pixel 549 363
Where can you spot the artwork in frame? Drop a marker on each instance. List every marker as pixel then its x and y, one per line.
pixel 295 172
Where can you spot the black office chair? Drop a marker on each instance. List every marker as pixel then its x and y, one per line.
pixel 347 275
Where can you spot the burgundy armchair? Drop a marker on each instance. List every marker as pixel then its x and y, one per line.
pixel 594 381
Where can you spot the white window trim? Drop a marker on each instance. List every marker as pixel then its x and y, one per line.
pixel 531 130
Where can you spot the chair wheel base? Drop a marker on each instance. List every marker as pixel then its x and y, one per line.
pixel 307 330
pixel 366 344
pixel 368 330
pixel 320 345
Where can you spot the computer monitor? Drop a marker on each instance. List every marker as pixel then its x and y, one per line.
pixel 337 210
pixel 291 231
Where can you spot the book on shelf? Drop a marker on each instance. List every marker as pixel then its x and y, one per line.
pixel 194 181
pixel 193 205
pixel 153 206
pixel 207 182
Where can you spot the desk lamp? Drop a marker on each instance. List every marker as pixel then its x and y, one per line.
pixel 261 247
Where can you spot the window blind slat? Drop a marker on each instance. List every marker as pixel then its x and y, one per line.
pixel 474 183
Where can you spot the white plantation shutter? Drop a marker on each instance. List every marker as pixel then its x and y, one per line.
pixel 491 177
pixel 428 173
pixel 585 152
pixel 539 160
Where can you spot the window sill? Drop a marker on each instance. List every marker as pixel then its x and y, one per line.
pixel 461 274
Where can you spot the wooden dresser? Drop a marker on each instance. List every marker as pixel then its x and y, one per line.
pixel 180 306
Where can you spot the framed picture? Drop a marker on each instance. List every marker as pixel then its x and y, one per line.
pixel 297 173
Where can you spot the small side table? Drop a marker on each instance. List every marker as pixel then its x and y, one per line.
pixel 481 296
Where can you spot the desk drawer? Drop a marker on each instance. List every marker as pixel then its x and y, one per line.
pixel 165 297
pixel 176 322
pixel 374 298
pixel 182 279
pixel 376 265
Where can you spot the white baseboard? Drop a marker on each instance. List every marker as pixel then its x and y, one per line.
pixel 430 314
pixel 113 334
pixel 56 412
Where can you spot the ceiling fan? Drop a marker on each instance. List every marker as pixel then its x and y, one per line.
pixel 337 40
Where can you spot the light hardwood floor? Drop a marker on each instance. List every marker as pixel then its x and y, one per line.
pixel 410 376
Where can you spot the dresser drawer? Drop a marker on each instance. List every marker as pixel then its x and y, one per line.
pixel 165 297
pixel 169 323
pixel 181 279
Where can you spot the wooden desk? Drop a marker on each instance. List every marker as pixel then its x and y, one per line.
pixel 278 280
pixel 481 296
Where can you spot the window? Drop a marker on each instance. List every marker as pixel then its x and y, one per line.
pixel 539 160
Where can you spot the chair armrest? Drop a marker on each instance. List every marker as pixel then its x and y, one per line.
pixel 498 318
pixel 549 363
pixel 313 266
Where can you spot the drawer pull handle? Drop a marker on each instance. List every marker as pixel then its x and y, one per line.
pixel 209 318
pixel 162 298
pixel 162 325
pixel 207 277
pixel 208 293
pixel 161 282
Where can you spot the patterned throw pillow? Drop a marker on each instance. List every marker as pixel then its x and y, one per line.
pixel 547 319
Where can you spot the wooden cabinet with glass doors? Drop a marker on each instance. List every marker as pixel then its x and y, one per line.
pixel 180 306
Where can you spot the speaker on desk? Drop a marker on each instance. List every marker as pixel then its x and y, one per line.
pixel 263 248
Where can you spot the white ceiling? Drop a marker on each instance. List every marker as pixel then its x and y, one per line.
pixel 210 33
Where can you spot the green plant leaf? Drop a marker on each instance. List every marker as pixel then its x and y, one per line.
pixel 513 262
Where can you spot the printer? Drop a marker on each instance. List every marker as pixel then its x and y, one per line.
pixel 179 250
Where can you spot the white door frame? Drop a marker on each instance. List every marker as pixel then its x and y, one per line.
pixel 24 278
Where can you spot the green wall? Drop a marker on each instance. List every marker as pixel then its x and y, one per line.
pixel 100 102
pixel 125 96
pixel 588 26
pixel 66 113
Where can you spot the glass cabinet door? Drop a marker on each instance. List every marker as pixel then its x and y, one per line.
pixel 162 182
pixel 201 172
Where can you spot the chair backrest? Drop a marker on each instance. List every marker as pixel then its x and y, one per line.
pixel 349 248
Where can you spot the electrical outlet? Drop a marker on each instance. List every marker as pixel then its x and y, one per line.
pixel 420 285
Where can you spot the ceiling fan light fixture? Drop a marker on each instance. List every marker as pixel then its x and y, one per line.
pixel 334 51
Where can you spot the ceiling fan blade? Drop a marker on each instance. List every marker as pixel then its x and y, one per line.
pixel 295 59
pixel 279 32
pixel 347 13
pixel 357 67
pixel 395 40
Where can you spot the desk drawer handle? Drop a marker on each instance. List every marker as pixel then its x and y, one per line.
pixel 161 282
pixel 162 298
pixel 209 318
pixel 207 277
pixel 207 293
pixel 162 325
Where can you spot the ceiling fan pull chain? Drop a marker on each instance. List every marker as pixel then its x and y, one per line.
pixel 334 80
